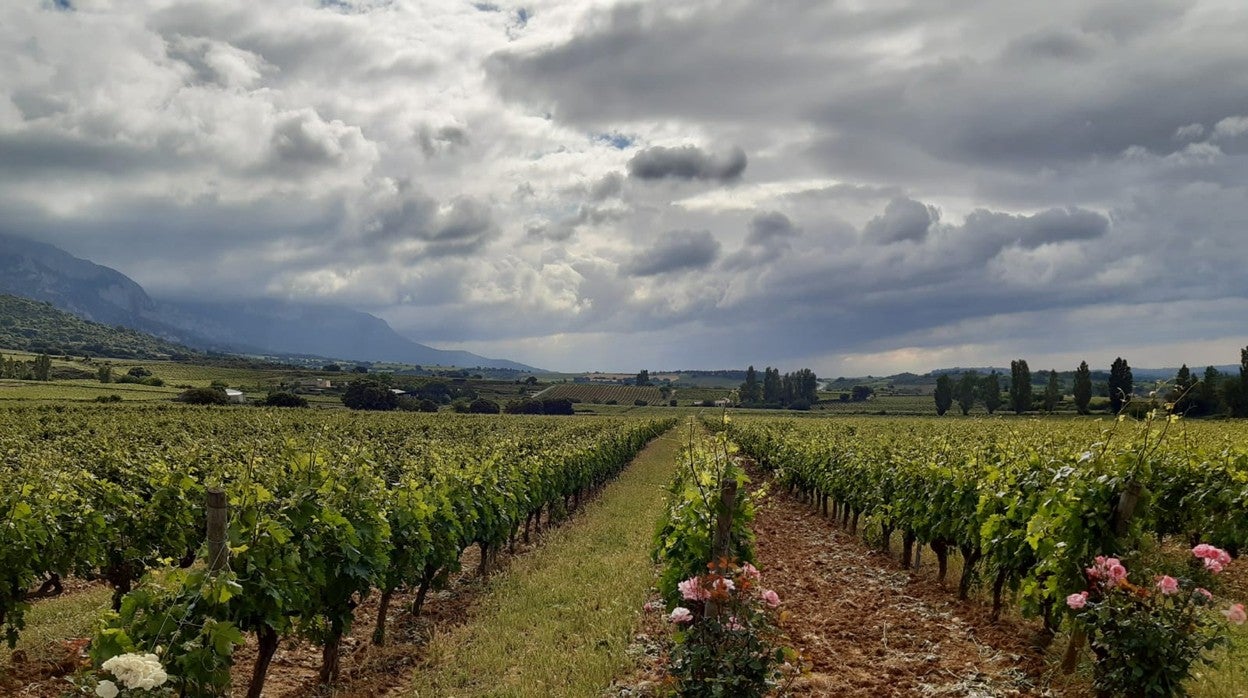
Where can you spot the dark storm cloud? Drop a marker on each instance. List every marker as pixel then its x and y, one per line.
pixel 770 227
pixel 608 186
pixel 903 220
pixel 687 162
pixel 1053 225
pixel 679 250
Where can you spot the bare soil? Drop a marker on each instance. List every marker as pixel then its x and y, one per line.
pixel 867 626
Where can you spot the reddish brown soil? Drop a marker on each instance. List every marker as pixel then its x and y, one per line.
pixel 868 627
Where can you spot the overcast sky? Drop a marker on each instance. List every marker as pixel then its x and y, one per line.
pixel 865 186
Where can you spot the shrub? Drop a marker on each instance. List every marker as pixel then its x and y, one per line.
pixel 281 399
pixel 108 398
pixel 671 403
pixel 726 641
pixel 427 405
pixel 369 394
pixel 483 406
pixel 154 381
pixel 640 403
pixel 204 396
pixel 1148 638
pixel 800 405
pixel 139 372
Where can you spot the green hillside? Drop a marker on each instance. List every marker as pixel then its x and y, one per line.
pixel 28 325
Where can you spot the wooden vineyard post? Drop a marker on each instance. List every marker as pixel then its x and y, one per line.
pixel 218 514
pixel 721 543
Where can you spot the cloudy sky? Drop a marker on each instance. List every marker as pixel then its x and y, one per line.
pixel 858 186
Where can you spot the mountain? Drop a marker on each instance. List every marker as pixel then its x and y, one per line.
pixel 285 327
pixel 46 273
pixel 36 326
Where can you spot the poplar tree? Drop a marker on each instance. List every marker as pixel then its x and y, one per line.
pixel 944 394
pixel 1083 387
pixel 967 387
pixel 1052 393
pixel 992 392
pixel 1020 386
pixel 1121 385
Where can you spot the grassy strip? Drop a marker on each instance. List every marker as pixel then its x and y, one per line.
pixel 559 621
pixel 60 618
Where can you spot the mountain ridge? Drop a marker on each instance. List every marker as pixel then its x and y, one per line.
pixel 98 293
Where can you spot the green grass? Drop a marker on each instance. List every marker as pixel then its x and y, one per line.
pixel 60 618
pixel 1228 676
pixel 559 621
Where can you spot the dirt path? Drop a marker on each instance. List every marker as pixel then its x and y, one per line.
pixel 870 628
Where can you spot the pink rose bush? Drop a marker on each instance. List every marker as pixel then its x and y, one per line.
pixel 727 626
pixel 1147 638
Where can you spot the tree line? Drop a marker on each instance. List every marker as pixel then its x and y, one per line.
pixel 1213 394
pixel 795 391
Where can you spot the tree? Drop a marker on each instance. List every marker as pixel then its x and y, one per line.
pixel 1183 384
pixel 1083 387
pixel 332 368
pixel 968 386
pixel 1052 393
pixel 861 393
pixel 104 373
pixel 1235 390
pixel 1121 385
pixel 483 406
pixel 369 394
pixel 282 399
pixel 42 368
pixel 1205 395
pixel 751 391
pixel 643 377
pixel 1020 386
pixel 204 396
pixel 991 390
pixel 805 386
pixel 771 386
pixel 944 394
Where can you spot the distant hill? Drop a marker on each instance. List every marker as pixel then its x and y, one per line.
pixel 43 272
pixel 34 326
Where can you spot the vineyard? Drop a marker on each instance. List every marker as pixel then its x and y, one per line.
pixel 604 394
pixel 1026 505
pixel 324 509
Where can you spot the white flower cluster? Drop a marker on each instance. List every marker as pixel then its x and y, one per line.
pixel 136 670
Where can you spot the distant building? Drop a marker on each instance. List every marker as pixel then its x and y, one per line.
pixel 235 396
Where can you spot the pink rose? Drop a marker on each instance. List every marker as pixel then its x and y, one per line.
pixel 1168 585
pixel 733 624
pixel 1117 572
pixel 1235 614
pixel 1202 550
pixel 680 614
pixel 1205 593
pixel 1213 565
pixel 771 598
pixel 691 590
pixel 724 584
pixel 1077 601
pixel 750 572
